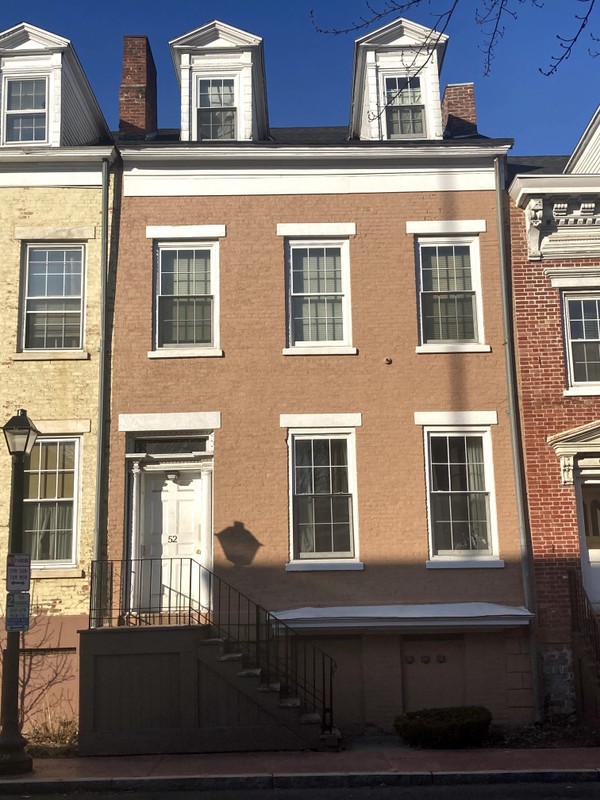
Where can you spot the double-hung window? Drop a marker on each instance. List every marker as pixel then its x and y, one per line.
pixel 25 110
pixel 450 308
pixel 582 327
pixel 186 295
pixel 323 488
pixel 50 501
pixel 460 492
pixel 319 295
pixel 217 113
pixel 53 302
pixel 404 107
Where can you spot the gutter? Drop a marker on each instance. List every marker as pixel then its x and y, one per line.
pixel 517 456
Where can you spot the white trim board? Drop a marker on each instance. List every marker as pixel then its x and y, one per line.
pixel 185 421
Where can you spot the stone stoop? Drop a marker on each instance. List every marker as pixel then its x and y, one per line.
pixel 296 729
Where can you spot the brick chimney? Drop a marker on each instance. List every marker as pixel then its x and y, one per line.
pixel 459 115
pixel 137 95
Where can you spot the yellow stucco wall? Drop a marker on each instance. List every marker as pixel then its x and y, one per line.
pixel 52 389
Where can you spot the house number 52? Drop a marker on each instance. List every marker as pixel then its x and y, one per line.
pixel 172 538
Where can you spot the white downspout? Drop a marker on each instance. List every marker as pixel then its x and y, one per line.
pixel 515 430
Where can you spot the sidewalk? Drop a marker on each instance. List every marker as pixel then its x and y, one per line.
pixel 367 762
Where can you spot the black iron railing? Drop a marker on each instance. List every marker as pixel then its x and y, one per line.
pixel 583 618
pixel 180 591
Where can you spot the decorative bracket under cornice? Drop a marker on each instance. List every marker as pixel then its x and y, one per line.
pixel 563 227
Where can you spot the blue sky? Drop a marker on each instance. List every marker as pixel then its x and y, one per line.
pixel 308 73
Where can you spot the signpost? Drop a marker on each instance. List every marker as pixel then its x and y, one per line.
pixel 18 572
pixel 17 611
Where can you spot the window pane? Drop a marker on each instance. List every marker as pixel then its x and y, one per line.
pixel 459 501
pixel 447 296
pixel 53 305
pixel 48 500
pixel 322 505
pixel 185 302
pixel 317 294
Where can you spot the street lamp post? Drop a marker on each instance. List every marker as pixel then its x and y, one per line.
pixel 20 434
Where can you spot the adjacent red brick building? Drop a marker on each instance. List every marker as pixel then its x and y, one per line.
pixel 555 231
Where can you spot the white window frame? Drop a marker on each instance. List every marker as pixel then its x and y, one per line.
pixel 6 113
pixel 464 558
pixel 72 560
pixel 459 345
pixel 327 347
pixel 66 245
pixel 421 75
pixel 577 387
pixel 334 561
pixel 186 349
pixel 221 75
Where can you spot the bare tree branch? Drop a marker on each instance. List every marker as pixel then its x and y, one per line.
pixel 491 15
pixel 567 44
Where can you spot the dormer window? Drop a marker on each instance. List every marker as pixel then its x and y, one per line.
pixel 404 108
pixel 25 112
pixel 216 109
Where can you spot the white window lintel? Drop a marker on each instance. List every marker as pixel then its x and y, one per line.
pixel 456 417
pixel 185 231
pixel 316 229
pixel 185 421
pixel 446 227
pixel 320 420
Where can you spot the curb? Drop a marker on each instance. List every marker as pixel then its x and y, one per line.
pixel 328 780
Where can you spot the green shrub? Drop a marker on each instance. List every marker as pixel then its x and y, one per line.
pixel 445 728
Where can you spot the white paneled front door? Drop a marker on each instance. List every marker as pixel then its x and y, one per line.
pixel 172 541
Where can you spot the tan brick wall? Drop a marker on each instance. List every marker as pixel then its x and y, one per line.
pixel 52 389
pixel 254 383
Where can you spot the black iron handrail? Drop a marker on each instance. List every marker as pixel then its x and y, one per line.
pixel 180 591
pixel 583 618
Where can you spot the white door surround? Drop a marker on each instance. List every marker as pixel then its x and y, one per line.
pixel 171 518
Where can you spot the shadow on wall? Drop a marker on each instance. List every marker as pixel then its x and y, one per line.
pixel 239 544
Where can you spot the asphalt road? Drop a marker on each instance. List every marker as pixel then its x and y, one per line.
pixel 522 791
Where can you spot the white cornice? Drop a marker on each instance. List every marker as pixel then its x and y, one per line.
pixel 60 155
pixel 525 187
pixel 310 152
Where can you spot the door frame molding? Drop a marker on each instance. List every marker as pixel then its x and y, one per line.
pixel 140 466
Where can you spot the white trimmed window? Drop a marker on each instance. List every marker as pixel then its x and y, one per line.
pixel 25 110
pixel 450 307
pixel 53 298
pixel 319 294
pixel 50 501
pixel 404 107
pixel 187 311
pixel 582 330
pixel 461 504
pixel 216 109
pixel 323 488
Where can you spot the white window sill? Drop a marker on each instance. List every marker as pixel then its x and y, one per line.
pixel 191 352
pixel 39 572
pixel 582 391
pixel 51 355
pixel 467 347
pixel 343 350
pixel 319 565
pixel 465 563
